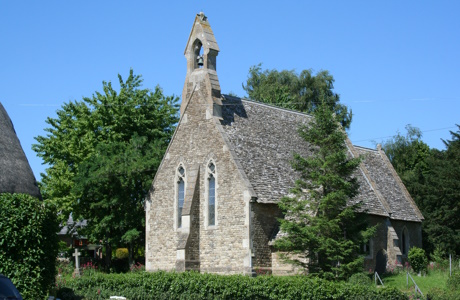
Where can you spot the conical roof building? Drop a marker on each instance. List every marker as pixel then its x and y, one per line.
pixel 16 176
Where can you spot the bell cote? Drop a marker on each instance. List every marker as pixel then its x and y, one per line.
pixel 201 54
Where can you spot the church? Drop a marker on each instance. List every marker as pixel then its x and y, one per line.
pixel 213 206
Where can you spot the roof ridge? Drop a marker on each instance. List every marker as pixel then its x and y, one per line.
pixel 269 105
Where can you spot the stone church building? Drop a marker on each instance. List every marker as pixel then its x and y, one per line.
pixel 213 203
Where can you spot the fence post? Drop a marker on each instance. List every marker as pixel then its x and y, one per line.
pixel 450 265
pixel 407 279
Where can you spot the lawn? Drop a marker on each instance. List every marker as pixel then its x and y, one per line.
pixel 425 283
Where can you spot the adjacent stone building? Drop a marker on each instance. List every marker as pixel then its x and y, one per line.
pixel 213 203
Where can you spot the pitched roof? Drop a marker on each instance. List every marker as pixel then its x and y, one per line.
pixel 264 138
pixel 15 173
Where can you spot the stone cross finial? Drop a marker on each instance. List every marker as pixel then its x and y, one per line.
pixel 77 261
pixel 202 16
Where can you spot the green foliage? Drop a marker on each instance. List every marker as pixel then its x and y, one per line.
pixel 65 268
pixel 360 279
pixel 323 230
pixel 28 243
pixel 453 283
pixel 302 92
pixel 190 285
pixel 417 259
pixel 443 294
pixel 432 177
pixel 451 292
pixel 121 253
pixel 407 154
pixel 103 153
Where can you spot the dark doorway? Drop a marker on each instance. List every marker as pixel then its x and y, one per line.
pixel 381 262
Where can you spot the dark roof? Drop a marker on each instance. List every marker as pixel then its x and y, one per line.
pixel 15 173
pixel 264 138
pixel 70 228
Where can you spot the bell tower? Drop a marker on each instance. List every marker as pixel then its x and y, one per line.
pixel 201 53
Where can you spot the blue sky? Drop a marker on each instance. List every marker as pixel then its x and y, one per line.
pixel 394 62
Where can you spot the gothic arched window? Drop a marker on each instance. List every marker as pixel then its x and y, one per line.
pixel 180 186
pixel 405 242
pixel 211 194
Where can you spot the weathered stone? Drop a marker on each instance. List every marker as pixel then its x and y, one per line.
pixel 251 146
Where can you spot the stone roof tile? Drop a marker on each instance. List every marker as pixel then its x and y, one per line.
pixel 264 139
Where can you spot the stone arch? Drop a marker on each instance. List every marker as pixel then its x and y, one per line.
pixel 381 261
pixel 197 51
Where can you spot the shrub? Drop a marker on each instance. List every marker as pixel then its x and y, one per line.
pixel 28 243
pixel 121 253
pixel 453 283
pixel 64 267
pixel 191 285
pixel 417 259
pixel 442 294
pixel 360 278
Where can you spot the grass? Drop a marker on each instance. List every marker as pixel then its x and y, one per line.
pixel 434 279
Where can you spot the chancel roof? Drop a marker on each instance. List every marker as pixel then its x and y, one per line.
pixel 15 173
pixel 264 138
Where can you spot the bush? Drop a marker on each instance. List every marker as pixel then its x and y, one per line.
pixel 28 243
pixel 453 283
pixel 360 279
pixel 441 294
pixel 121 253
pixel 417 259
pixel 191 285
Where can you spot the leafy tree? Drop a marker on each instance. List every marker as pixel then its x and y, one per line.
pixel 439 197
pixel 103 152
pixel 302 92
pixel 408 154
pixel 28 243
pixel 323 230
pixel 432 178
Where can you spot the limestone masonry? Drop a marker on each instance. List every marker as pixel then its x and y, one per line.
pixel 212 206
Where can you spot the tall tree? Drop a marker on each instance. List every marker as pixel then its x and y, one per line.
pixel 103 152
pixel 302 92
pixel 432 178
pixel 408 154
pixel 322 229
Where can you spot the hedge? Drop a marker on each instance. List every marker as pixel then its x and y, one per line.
pixel 28 243
pixel 191 285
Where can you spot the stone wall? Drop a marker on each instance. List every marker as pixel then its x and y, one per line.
pixel 388 240
pixel 264 223
pixel 223 248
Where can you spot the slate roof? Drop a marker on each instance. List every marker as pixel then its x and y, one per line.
pixel 15 173
pixel 264 138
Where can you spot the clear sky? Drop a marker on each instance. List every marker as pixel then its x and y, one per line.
pixel 394 62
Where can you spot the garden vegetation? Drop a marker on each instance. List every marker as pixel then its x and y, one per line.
pixel 28 243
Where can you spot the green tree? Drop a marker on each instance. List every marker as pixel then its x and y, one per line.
pixel 408 154
pixel 28 243
pixel 432 178
pixel 439 197
pixel 103 152
pixel 323 230
pixel 302 92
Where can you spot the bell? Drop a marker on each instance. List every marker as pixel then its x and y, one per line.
pixel 200 60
